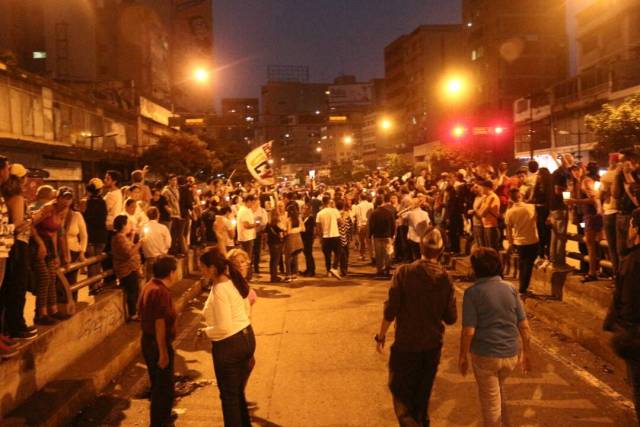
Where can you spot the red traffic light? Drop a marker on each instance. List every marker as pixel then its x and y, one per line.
pixel 499 130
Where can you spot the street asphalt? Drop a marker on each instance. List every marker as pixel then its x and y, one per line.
pixel 316 365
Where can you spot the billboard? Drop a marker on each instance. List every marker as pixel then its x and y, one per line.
pixel 350 94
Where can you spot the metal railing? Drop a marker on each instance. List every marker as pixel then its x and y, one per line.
pixel 70 288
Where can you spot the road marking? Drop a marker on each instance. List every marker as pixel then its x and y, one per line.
pixel 586 376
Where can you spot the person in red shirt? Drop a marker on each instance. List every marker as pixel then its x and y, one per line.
pixel 158 321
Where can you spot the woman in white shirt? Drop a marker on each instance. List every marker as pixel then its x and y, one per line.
pixel 233 342
pixel 292 241
pixel 77 238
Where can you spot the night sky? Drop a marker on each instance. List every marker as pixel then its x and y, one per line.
pixel 330 36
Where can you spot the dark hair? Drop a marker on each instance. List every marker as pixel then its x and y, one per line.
pixel 164 266
pixel 3 161
pixel 593 171
pixel 294 214
pixel 153 213
pixel 134 187
pixel 378 201
pixel 171 176
pixel 486 262
pixel 12 187
pixel 249 198
pixel 119 222
pixel 533 166
pixel 129 202
pixel 514 193
pixel 326 200
pixel 340 204
pixel 115 176
pixel 224 210
pixel 215 258
pixel 137 176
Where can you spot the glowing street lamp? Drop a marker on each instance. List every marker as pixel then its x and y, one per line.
pixel 455 88
pixel 201 75
pixel 458 131
pixel 319 149
pixel 386 124
pixel 348 139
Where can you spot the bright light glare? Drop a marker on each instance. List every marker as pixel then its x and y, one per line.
pixel 499 130
pixel 347 139
pixel 319 149
pixel 458 131
pixel 454 86
pixel 386 124
pixel 201 75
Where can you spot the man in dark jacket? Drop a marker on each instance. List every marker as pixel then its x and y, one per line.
pixel 624 315
pixel 421 299
pixel 382 226
pixel 95 217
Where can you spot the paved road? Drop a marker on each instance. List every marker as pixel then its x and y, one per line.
pixel 317 366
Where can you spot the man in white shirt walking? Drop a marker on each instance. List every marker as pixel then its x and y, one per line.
pixel 362 211
pixel 522 233
pixel 157 240
pixel 327 228
pixel 246 226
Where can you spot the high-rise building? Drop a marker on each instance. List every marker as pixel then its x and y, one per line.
pixel 150 47
pixel 414 64
pixel 291 116
pixel 515 48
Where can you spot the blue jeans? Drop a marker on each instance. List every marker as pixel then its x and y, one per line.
pixel 558 248
pixel 232 363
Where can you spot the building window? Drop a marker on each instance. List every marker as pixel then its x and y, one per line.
pixel 38 54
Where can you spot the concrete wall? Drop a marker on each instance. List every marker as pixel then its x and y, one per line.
pixel 56 348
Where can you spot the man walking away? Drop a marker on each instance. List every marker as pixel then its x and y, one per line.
pixel 492 319
pixel 327 228
pixel 158 318
pixel 171 193
pixel 362 212
pixel 382 227
pixel 421 299
pixel 522 233
pixel 156 243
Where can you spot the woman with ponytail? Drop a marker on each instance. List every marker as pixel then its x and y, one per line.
pixel 233 343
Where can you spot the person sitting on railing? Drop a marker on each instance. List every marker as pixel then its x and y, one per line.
pixel 125 252
pixel 95 217
pixel 157 241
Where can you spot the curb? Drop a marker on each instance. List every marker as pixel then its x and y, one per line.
pixel 61 399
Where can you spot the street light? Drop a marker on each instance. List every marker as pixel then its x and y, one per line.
pixel 458 131
pixel 348 139
pixel 319 149
pixel 455 88
pixel 386 124
pixel 201 75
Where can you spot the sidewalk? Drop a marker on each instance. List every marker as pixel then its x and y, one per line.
pixel 317 366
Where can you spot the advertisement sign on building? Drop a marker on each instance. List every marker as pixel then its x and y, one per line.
pixel 351 94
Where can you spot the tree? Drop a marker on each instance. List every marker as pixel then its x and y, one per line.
pixel 617 127
pixel 181 154
pixel 231 154
pixel 397 165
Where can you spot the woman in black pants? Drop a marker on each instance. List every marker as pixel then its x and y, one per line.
pixel 127 263
pixel 233 343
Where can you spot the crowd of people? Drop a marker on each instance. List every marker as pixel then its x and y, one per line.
pixel 381 220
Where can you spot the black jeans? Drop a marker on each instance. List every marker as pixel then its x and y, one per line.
pixel 401 245
pixel 310 263
pixel 232 363
pixel 257 249
pixel 14 289
pixel 544 231
pixel 161 380
pixel 131 287
pixel 414 250
pixel 527 258
pixel 344 260
pixel 331 245
pixel 178 226
pixel 411 377
pixel 456 227
pixel 275 254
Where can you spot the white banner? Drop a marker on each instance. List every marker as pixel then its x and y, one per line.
pixel 259 166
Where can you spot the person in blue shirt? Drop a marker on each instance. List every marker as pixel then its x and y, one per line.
pixel 493 324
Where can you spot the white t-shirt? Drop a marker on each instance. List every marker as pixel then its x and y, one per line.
pixel 418 221
pixel 226 313
pixel 245 215
pixel 113 200
pixel 328 220
pixel 521 218
pixel 362 212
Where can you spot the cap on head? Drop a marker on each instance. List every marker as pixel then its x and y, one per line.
pixel 431 243
pixel 65 192
pixel 18 170
pixel 97 183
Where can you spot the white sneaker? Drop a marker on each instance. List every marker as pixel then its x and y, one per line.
pixel 335 273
